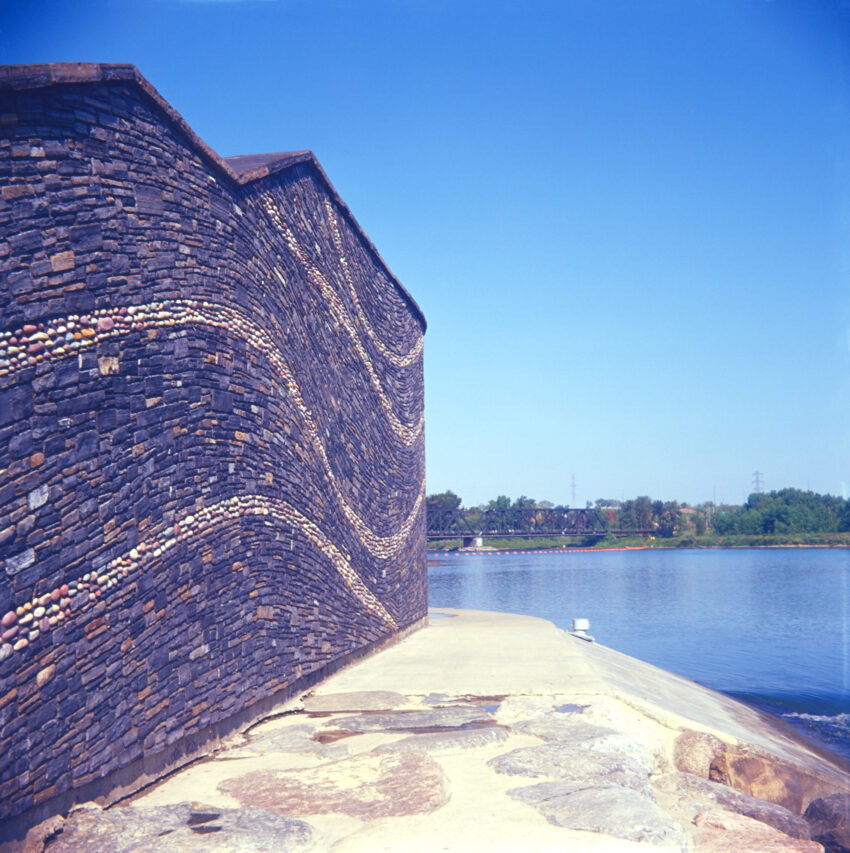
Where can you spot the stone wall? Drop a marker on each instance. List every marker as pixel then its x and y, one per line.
pixel 211 434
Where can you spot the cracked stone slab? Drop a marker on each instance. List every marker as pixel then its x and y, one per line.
pixel 573 768
pixel 367 786
pixel 702 792
pixel 437 699
pixel 606 809
pixel 450 740
pixel 572 730
pixel 722 831
pixel 366 700
pixel 628 767
pixel 180 828
pixel 574 733
pixel 433 719
pixel 562 727
pixel 294 739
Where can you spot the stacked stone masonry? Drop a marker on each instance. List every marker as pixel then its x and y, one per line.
pixel 211 428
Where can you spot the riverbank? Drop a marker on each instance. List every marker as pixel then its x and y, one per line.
pixel 686 540
pixel 487 731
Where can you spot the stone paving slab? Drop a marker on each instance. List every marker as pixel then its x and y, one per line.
pixel 181 828
pixel 567 761
pixel 607 810
pixel 461 739
pixel 516 737
pixel 368 786
pixel 434 719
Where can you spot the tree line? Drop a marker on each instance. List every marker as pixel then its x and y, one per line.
pixel 664 518
pixel 785 511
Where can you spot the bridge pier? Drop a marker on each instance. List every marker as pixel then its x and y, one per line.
pixel 473 541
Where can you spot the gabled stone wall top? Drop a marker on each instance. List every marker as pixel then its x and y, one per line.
pixel 241 169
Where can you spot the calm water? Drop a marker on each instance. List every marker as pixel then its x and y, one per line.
pixel 767 626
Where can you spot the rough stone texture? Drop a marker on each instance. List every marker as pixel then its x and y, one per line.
pixel 373 785
pixel 723 831
pixel 450 741
pixel 573 745
pixel 38 836
pixel 296 739
pixel 573 765
pixel 211 409
pixel 694 752
pixel 769 777
pixel 703 791
pixel 572 729
pixel 180 828
pixel 829 821
pixel 371 700
pixel 608 809
pixel 413 721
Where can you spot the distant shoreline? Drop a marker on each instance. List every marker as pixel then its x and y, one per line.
pixel 654 545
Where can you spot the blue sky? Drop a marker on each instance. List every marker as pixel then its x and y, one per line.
pixel 628 223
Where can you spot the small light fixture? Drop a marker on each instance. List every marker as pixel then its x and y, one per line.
pixel 580 629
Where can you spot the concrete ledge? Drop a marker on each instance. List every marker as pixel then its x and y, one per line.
pixel 497 732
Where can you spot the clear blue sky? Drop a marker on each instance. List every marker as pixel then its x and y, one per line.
pixel 628 223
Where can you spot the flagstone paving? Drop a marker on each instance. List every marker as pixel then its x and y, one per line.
pixel 483 732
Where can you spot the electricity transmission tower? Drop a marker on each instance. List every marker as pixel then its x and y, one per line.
pixel 757 482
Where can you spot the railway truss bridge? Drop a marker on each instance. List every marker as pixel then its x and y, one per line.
pixel 503 523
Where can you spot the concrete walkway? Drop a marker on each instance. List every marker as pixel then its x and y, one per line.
pixel 487 732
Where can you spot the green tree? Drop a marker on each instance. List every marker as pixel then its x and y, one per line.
pixel 642 512
pixel 501 502
pixel 443 501
pixel 785 511
pixel 522 502
pixel 668 518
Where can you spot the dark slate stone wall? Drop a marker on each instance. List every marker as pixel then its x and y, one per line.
pixel 211 447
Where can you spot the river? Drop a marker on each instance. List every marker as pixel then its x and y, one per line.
pixel 768 626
